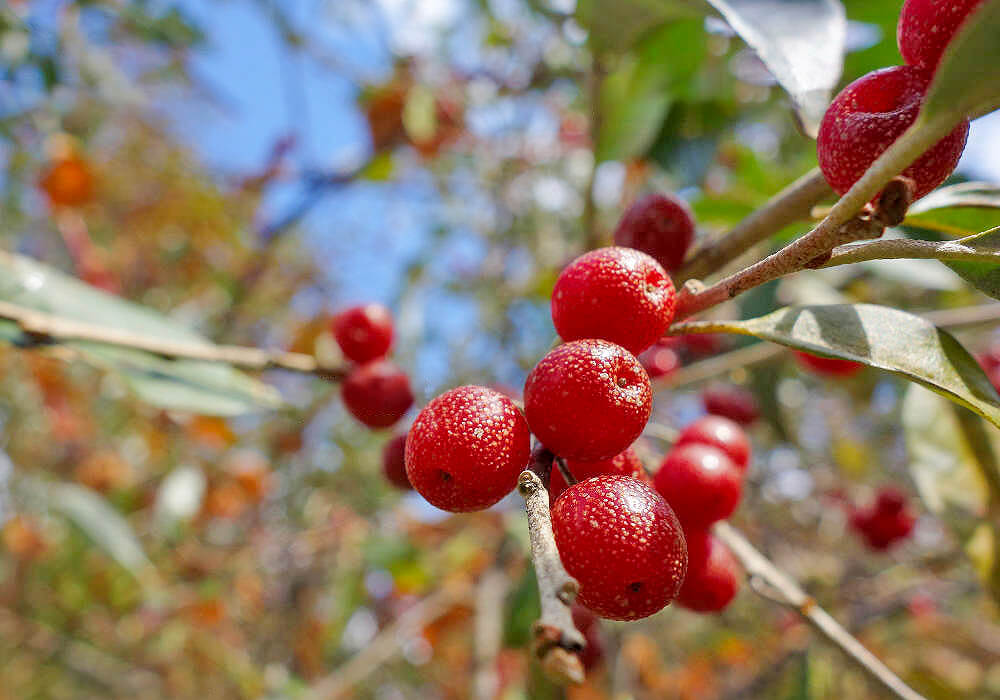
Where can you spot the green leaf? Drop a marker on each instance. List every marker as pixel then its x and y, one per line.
pixel 207 388
pixel 969 207
pixel 616 25
pixel 801 43
pixel 967 80
pixel 984 276
pixel 877 336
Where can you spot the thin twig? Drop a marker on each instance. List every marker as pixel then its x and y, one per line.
pixel 720 364
pixel 792 204
pixel 791 595
pixel 908 248
pixel 490 594
pixel 43 328
pixel 557 641
pixel 388 642
pixel 809 251
pixel 567 475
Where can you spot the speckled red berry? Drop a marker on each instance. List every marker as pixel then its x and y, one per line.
pixel 927 26
pixel 624 463
pixel 364 333
pixel 721 433
pixel 885 522
pixel 713 575
pixel 587 400
pixel 377 393
pixel 589 626
pixel 658 225
pixel 661 359
pixel 732 402
pixel 394 462
pixel 466 449
pixel 871 113
pixel 615 294
pixel 700 483
pixel 827 366
pixel 622 542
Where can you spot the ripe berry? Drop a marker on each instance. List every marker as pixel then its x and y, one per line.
pixel 364 333
pixel 625 463
pixel 466 449
pixel 885 522
pixel 700 483
pixel 702 343
pixel 828 366
pixel 990 362
pixel 394 462
pixel 732 402
pixel 587 400
pixel 68 182
pixel 927 26
pixel 590 627
pixel 615 294
pixel 720 433
pixel 713 575
pixel 659 225
pixel 661 359
pixel 377 393
pixel 623 543
pixel 871 113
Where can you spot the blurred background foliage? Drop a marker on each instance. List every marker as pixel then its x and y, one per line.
pixel 244 168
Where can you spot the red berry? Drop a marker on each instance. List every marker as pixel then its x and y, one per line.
pixel 828 366
pixel 720 433
pixel 990 362
pixel 660 360
pixel 625 463
pixel 871 113
pixel 466 449
pixel 658 225
pixel 587 400
pixel 926 27
pixel 732 402
pixel 394 462
pixel 364 333
pixel 377 393
pixel 700 483
pixel 702 343
pixel 885 522
pixel 615 294
pixel 623 543
pixel 713 574
pixel 590 627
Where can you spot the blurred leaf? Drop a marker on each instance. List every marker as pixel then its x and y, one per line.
pixel 880 337
pixel 800 41
pixel 179 496
pixel 969 207
pixel 207 388
pixel 101 523
pixel 966 82
pixel 920 273
pixel 615 25
pixel 983 276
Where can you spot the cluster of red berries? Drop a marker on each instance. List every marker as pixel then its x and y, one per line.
pixel 375 391
pixel 885 522
pixel 874 110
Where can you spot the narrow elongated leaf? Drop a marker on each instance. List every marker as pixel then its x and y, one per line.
pixel 969 207
pixel 800 41
pixel 967 81
pixel 984 276
pixel 101 523
pixel 201 387
pixel 616 25
pixel 878 336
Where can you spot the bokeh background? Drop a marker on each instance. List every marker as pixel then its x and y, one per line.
pixel 249 167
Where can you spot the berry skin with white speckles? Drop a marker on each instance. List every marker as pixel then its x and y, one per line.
pixel 587 400
pixel 466 449
pixel 625 463
pixel 617 294
pixel 622 543
pixel 926 27
pixel 722 433
pixel 871 113
pixel 700 483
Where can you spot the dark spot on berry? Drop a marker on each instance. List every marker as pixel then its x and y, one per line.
pixel 635 586
pixel 445 476
pixel 622 382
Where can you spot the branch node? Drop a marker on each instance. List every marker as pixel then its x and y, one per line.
pixel 891 206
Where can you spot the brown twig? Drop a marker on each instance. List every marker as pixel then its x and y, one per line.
pixel 490 594
pixel 810 251
pixel 43 328
pixel 792 204
pixel 557 641
pixel 908 248
pixel 785 591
